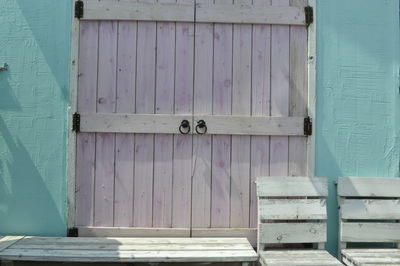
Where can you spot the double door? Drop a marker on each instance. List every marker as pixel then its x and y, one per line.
pixel 178 116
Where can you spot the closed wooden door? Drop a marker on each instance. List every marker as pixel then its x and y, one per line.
pixel 239 78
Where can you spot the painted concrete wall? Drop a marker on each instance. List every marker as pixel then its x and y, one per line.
pixel 34 41
pixel 358 108
pixel 357 88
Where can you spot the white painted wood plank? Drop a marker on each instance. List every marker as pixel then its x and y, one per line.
pixel 85 143
pixel 105 143
pixel 132 123
pixel 280 87
pixel 292 209
pixel 370 232
pixel 368 187
pixel 134 240
pixel 144 143
pixel 261 91
pixel 163 143
pixel 370 209
pixel 292 233
pixel 241 105
pixel 203 85
pixel 287 186
pixel 132 232
pixel 253 125
pixel 248 13
pixel 183 144
pixel 249 233
pixel 8 241
pixel 143 11
pixel 303 257
pixel 222 102
pixel 125 143
pixel 298 93
pixel 128 256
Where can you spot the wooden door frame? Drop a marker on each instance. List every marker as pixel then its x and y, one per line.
pixel 72 108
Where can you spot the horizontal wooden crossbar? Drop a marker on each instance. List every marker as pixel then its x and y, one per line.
pixel 188 12
pixel 169 124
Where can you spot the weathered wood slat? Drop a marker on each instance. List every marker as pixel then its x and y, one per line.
pixel 8 241
pixel 370 232
pixel 249 233
pixel 143 11
pixel 248 13
pixel 90 231
pixel 368 187
pixel 253 125
pixel 292 233
pixel 370 209
pixel 362 257
pixel 292 209
pixel 285 186
pixel 129 241
pixel 301 257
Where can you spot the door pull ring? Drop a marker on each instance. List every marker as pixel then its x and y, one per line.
pixel 201 127
pixel 184 128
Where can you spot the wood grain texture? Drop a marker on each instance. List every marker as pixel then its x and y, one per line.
pixel 368 187
pixel 163 143
pixel 271 233
pixel 292 209
pixel 301 257
pixel 144 143
pixel 260 104
pixel 298 94
pixel 279 92
pixel 370 232
pixel 105 143
pixel 367 209
pixel 241 105
pixel 183 144
pixel 131 250
pixel 288 186
pixel 367 256
pixel 85 143
pixel 221 145
pixel 140 11
pixel 125 143
pixel 203 90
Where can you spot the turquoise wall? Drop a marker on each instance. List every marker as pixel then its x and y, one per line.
pixel 358 108
pixel 358 123
pixel 34 41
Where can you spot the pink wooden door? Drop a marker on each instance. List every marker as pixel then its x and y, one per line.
pixel 139 79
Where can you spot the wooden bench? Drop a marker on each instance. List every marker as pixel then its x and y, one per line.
pixel 369 213
pixel 292 210
pixel 141 250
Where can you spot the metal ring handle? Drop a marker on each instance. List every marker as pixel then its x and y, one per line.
pixel 201 124
pixel 184 125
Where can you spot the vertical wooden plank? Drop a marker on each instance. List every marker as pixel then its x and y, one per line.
pixel 163 143
pixel 85 146
pixel 105 143
pixel 221 146
pixel 144 143
pixel 241 105
pixel 183 144
pixel 279 93
pixel 203 84
pixel 261 90
pixel 298 93
pixel 124 143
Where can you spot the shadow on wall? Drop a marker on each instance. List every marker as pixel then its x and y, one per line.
pixel 27 194
pixel 8 100
pixel 54 42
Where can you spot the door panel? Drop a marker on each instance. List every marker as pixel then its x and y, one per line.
pixel 139 79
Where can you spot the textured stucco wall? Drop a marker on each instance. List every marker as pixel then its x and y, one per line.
pixel 34 41
pixel 358 109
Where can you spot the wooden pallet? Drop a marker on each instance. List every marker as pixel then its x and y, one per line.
pixel 107 249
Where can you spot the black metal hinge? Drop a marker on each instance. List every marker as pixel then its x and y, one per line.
pixel 307 126
pixel 79 9
pixel 309 15
pixel 76 122
pixel 72 232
